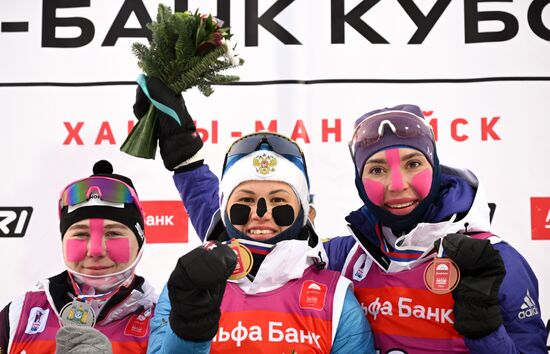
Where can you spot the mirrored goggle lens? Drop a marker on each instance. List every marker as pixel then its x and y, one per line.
pixel 278 143
pixel 106 189
pixel 402 124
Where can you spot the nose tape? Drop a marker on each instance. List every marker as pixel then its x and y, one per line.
pixel 394 161
pixel 261 209
pixel 96 237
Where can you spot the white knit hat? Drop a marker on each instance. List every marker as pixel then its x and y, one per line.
pixel 265 165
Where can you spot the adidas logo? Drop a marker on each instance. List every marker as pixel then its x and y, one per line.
pixel 528 308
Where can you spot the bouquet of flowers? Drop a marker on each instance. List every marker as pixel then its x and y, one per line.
pixel 187 50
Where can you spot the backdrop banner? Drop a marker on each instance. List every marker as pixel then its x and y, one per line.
pixel 478 69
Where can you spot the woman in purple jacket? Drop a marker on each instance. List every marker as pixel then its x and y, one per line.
pixel 426 267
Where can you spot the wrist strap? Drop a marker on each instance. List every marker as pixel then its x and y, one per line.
pixel 197 157
pixel 142 82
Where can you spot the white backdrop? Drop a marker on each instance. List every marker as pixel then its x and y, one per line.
pixel 495 124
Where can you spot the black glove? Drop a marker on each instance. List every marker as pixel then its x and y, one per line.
pixel 77 339
pixel 196 288
pixel 177 143
pixel 476 309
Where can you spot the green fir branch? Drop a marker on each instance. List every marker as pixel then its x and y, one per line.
pixel 173 55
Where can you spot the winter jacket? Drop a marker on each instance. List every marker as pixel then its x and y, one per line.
pixel 462 208
pixel 30 323
pixel 284 271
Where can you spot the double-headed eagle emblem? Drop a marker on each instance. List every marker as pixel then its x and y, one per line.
pixel 264 164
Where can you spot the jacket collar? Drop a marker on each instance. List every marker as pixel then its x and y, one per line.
pixel 127 300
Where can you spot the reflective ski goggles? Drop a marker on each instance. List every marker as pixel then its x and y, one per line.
pixel 403 124
pixel 105 188
pixel 277 143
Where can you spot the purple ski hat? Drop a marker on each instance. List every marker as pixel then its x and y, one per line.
pixel 399 126
pixel 402 125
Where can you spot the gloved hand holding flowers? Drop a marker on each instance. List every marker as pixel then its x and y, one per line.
pixel 187 50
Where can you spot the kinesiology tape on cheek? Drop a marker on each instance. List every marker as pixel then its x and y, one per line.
pixel 75 250
pixel 118 249
pixel 283 215
pixel 422 183
pixel 374 190
pixel 239 213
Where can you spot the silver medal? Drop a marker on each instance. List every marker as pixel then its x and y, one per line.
pixel 77 313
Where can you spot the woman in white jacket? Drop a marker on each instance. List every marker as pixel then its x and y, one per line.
pixel 285 301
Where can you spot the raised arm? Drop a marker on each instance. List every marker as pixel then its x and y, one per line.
pixel 181 149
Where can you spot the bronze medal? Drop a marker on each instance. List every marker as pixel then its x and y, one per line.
pixel 244 260
pixel 441 276
pixel 77 313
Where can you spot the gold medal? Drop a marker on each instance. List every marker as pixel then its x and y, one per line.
pixel 77 313
pixel 244 260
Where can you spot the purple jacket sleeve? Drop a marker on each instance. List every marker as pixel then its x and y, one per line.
pixel 337 249
pixel 198 190
pixel 523 330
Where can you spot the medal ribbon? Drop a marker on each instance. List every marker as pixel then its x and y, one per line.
pixel 441 251
pixel 396 254
pixel 256 247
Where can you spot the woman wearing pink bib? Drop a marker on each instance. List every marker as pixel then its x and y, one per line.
pixel 99 304
pixel 427 269
pixel 279 297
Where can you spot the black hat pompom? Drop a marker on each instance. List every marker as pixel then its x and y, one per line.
pixel 102 167
pixel 105 168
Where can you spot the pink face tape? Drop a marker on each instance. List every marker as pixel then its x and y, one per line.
pixel 118 249
pixel 374 190
pixel 95 248
pixel 394 161
pixel 422 183
pixel 76 250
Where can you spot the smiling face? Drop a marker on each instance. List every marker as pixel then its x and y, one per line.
pixel 99 247
pixel 397 179
pixel 261 197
